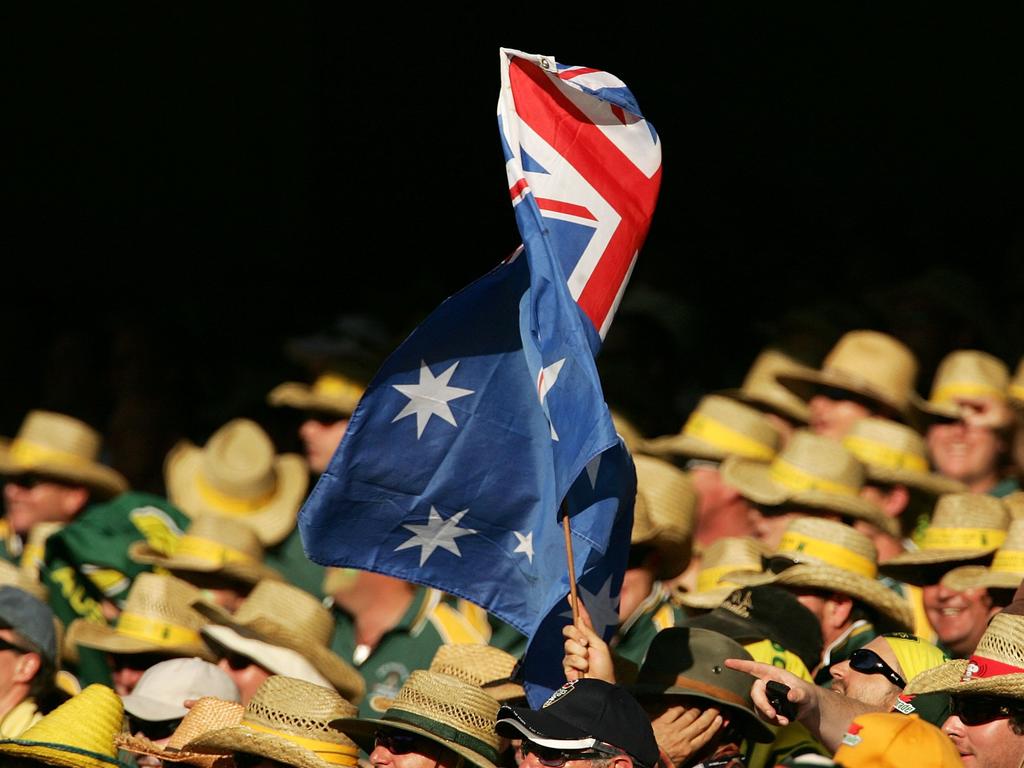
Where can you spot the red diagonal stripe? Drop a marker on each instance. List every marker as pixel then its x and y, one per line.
pixel 560 206
pixel 517 188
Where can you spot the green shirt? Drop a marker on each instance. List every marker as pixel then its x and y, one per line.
pixel 289 559
pixel 1004 487
pixel 655 613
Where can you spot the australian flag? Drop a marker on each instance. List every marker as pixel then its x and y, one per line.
pixel 489 422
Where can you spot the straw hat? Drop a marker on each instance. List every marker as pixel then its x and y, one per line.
pixel 966 373
pixel 236 474
pixel 893 453
pixel 1006 571
pixel 717 428
pixel 289 721
pixel 762 390
pixel 628 431
pixel 663 516
pixel 1016 387
pixel 61 447
pixel 726 556
pixel 156 619
pixel 331 392
pixel 482 665
pixel 996 668
pixel 212 544
pixel 207 714
pixel 442 708
pixel 284 615
pixel 1014 503
pixel 832 556
pixel 964 527
pixel 812 471
pixel 77 734
pixel 13 576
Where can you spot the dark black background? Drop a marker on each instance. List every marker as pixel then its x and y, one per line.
pixel 186 187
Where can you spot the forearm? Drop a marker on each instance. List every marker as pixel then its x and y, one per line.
pixel 829 721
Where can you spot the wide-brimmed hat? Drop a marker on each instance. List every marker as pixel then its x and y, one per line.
pixel 1005 572
pixel 967 373
pixel 482 665
pixel 284 615
pixel 289 721
pixel 77 734
pixel 663 516
pixel 894 454
pixel 163 689
pixel 156 618
pixel 726 556
pixel 762 390
pixel 965 527
pixel 13 576
pixel 332 392
pixel 441 708
pixel 996 668
pixel 717 428
pixel 1015 390
pixel 237 474
pixel 207 714
pixel 812 471
pixel 212 544
pixel 63 448
pixel 688 662
pixel 869 364
pixel 835 557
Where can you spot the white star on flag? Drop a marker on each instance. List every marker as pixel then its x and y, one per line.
pixel 545 381
pixel 602 607
pixel 525 545
pixel 437 532
pixel 430 397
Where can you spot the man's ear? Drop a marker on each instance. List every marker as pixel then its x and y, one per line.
pixel 896 500
pixel 838 609
pixel 27 667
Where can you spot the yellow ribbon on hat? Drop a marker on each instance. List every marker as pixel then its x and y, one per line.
pixel 209 551
pixel 797 479
pixel 795 544
pixel 232 505
pixel 333 385
pixel 329 752
pixel 882 455
pixel 963 538
pixel 1017 391
pixel 156 631
pixel 26 453
pixel 954 389
pixel 703 427
pixel 1008 561
pixel 711 578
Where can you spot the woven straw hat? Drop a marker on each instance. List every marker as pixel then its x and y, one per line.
pixel 812 471
pixel 207 714
pixel 212 544
pixel 832 556
pixel 482 665
pixel 1016 387
pixel 663 516
pixel 726 556
pixel 287 720
pixel 762 390
pixel 964 527
pixel 442 708
pixel 893 453
pixel 331 392
pixel 236 474
pixel 1014 503
pixel 61 447
pixel 13 576
pixel 866 363
pixel 1006 571
pixel 284 615
pixel 628 431
pixel 965 373
pixel 156 619
pixel 717 428
pixel 77 734
pixel 996 668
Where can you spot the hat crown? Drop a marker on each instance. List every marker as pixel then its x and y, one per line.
pixel 238 460
pixel 87 721
pixel 290 608
pixel 449 701
pixel 882 364
pixel 207 714
pixel 738 553
pixel 718 420
pixel 691 658
pixel 664 512
pixel 803 539
pixel 1003 641
pixel 474 663
pixel 180 679
pixel 292 706
pixel 822 458
pixel 970 511
pixel 227 532
pixel 61 433
pixel 897 438
pixel 165 598
pixel 967 372
pixel 761 384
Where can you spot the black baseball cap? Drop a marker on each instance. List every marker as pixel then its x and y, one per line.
pixel 30 618
pixel 584 714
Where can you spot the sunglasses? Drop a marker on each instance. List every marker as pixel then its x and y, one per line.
pixel 153 729
pixel 30 480
pixel 7 645
pixel 557 758
pixel 868 662
pixel 397 742
pixel 976 710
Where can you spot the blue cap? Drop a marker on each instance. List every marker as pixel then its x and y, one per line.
pixel 30 618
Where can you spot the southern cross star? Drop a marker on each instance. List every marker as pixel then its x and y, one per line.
pixel 437 532
pixel 602 607
pixel 430 397
pixel 525 545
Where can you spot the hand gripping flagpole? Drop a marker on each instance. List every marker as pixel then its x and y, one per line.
pixel 574 597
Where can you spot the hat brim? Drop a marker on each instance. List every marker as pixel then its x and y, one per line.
pixel 916 567
pixel 728 624
pixel 272 522
pixel 798 384
pixel 238 738
pixel 140 745
pixel 362 731
pixel 973 576
pixel 754 727
pixel 680 445
pixel 948 678
pixel 709 599
pixel 869 591
pixel 928 482
pixel 89 634
pixel 103 481
pixel 779 406
pixel 62 755
pixel 247 573
pixel 293 394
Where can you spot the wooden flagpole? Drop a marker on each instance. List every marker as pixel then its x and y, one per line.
pixel 572 565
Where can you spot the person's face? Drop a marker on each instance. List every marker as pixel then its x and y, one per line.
pixel 721 510
pixel 991 744
pixel 876 690
pixel 770 523
pixel 958 618
pixel 218 590
pixel 320 436
pixel 31 499
pixel 399 749
pixel 246 674
pixel 835 417
pixel 10 661
pixel 127 668
pixel 965 452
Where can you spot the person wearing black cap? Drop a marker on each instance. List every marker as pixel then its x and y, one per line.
pixel 584 720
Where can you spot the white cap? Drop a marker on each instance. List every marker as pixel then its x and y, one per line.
pixel 163 688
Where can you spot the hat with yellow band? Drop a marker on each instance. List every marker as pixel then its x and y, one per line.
pixel 156 619
pixel 63 448
pixel 206 715
pixel 966 529
pixel 971 375
pixel 894 454
pixel 484 665
pixel 664 513
pixel 726 556
pixel 212 544
pixel 236 474
pixel 441 708
pixel 718 428
pixel 289 721
pixel 813 472
pixel 1016 388
pixel 332 392
pixel 762 390
pixel 1005 572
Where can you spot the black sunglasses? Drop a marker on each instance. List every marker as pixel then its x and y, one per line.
pixel 868 662
pixel 557 758
pixel 153 729
pixel 7 645
pixel 976 710
pixel 395 741
pixel 30 480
